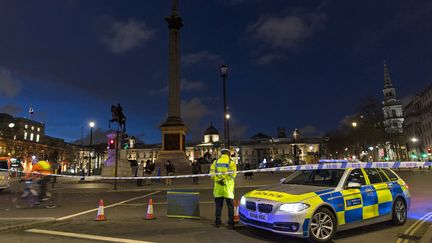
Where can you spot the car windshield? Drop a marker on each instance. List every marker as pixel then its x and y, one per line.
pixel 327 178
pixel 3 164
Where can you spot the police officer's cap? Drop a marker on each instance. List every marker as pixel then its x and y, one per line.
pixel 225 151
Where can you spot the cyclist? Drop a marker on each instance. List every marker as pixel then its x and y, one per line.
pixel 40 173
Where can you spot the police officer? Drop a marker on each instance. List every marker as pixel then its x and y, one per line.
pixel 224 186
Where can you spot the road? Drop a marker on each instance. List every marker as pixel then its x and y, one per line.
pixel 126 209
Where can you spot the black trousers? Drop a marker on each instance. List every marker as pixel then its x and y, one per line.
pixel 43 186
pixel 219 205
pixel 195 180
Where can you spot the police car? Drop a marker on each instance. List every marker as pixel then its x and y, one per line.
pixel 4 174
pixel 315 203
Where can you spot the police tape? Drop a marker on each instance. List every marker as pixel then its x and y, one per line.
pixel 321 166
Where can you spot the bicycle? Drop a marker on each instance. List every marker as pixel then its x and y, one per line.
pixel 28 196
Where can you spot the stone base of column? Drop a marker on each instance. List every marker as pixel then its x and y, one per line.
pixel 178 159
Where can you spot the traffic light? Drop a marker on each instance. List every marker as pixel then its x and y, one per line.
pixel 424 155
pixel 111 144
pixel 429 150
pixel 126 145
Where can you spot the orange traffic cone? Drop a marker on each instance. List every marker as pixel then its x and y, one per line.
pixel 100 214
pixel 150 214
pixel 236 211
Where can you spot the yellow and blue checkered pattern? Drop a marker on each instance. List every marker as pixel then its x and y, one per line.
pixel 354 205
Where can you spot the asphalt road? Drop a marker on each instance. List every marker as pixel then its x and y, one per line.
pixel 126 209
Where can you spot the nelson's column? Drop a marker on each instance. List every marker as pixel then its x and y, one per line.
pixel 173 129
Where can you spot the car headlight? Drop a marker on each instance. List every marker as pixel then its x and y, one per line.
pixel 243 201
pixel 293 207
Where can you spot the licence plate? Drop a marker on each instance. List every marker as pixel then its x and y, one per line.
pixel 258 216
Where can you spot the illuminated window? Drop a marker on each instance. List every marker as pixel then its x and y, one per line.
pixel 37 138
pixel 32 128
pixel 38 129
pixel 31 136
pixel 25 135
pixel 26 126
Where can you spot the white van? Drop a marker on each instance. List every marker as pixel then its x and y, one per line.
pixel 4 174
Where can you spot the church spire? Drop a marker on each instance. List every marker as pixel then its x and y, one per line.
pixel 387 77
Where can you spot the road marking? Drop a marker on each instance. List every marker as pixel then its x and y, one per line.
pixel 156 203
pixel 414 227
pixel 110 206
pixel 85 236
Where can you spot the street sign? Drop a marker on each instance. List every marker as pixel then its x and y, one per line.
pixel 183 204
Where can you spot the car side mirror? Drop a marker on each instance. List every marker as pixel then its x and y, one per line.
pixel 353 185
pixel 282 180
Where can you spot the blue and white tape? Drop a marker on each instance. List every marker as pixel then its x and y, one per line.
pixel 320 166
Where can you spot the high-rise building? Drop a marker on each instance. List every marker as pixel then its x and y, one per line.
pixel 392 107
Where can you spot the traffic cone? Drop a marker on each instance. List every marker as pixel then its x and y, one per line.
pixel 236 211
pixel 100 214
pixel 150 214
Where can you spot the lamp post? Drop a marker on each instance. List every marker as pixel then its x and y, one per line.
pixel 228 130
pixel 414 140
pixel 91 125
pixel 224 74
pixel 354 125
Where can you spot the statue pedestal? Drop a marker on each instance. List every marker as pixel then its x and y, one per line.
pixel 108 167
pixel 174 147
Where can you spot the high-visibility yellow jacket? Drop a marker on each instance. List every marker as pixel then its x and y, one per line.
pixel 43 167
pixel 223 164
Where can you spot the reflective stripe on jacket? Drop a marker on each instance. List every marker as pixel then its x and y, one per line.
pixel 223 164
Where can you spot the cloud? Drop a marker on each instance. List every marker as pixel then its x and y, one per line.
pixel 286 31
pixel 237 130
pixel 202 58
pixel 11 109
pixel 123 36
pixel 407 99
pixel 10 86
pixel 309 130
pixel 185 85
pixel 269 58
pixel 99 136
pixel 193 113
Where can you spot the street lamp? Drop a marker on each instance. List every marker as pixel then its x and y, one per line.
pixel 228 131
pixel 414 140
pixel 354 124
pixel 11 125
pixel 224 73
pixel 91 125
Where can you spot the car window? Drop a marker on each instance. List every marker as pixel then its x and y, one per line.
pixel 374 176
pixel 328 178
pixel 3 164
pixel 383 176
pixel 356 176
pixel 390 174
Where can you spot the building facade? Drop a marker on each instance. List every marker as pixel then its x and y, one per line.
pixel 418 125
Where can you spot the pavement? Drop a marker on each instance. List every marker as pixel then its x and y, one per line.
pixel 125 210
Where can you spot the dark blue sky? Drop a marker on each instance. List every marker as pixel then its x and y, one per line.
pixel 302 64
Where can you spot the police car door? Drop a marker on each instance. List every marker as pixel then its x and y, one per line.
pixel 382 186
pixel 359 202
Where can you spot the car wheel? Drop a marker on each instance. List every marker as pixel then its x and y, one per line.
pixel 322 226
pixel 399 212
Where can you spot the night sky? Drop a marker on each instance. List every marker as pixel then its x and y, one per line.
pixel 303 64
